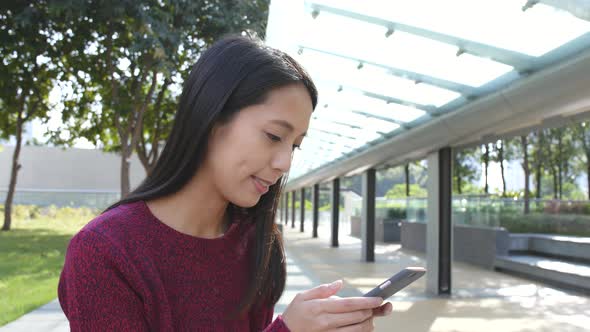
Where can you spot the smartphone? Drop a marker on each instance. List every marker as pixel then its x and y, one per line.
pixel 397 282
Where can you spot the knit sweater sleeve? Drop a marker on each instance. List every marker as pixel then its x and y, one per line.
pixel 278 325
pixel 93 290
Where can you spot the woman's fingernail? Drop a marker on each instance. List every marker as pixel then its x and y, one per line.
pixel 335 284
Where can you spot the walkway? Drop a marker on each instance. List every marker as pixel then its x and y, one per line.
pixel 483 300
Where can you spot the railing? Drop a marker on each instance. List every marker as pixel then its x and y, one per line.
pixel 545 216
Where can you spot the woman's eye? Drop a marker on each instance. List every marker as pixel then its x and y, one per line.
pixel 273 138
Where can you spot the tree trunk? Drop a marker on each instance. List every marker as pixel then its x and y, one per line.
pixel 555 184
pixel 459 184
pixel 501 159
pixel 525 167
pixel 407 171
pixel 149 159
pixel 486 162
pixel 585 145
pixel 13 173
pixel 560 162
pixel 125 186
pixel 539 164
pixel 456 170
pixel 538 182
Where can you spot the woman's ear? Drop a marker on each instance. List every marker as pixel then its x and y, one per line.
pixel 217 130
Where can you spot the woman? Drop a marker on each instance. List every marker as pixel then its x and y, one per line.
pixel 195 246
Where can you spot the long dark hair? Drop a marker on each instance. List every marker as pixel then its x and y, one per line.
pixel 234 73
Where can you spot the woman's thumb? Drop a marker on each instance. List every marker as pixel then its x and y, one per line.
pixel 322 291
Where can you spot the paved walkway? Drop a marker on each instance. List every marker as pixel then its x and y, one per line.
pixel 48 318
pixel 482 300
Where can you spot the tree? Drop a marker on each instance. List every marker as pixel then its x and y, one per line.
pixel 486 166
pixel 141 49
pixel 582 134
pixel 499 146
pixel 156 127
pixel 506 150
pixel 414 171
pixel 232 17
pixel 555 159
pixel 561 151
pixel 28 49
pixel 407 178
pixel 464 170
pixel 539 154
pixel 400 191
pixel 526 169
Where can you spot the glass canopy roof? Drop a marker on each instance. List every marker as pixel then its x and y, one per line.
pixel 385 67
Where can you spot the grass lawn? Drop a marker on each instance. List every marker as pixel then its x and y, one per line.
pixel 32 255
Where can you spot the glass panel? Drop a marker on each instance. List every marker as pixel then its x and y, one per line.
pixel 363 135
pixel 334 114
pixel 339 71
pixel 351 100
pixel 500 23
pixel 400 50
pixel 315 135
pixel 416 54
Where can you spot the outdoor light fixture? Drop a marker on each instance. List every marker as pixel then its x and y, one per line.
pixel 360 66
pixel 389 32
pixel 529 4
pixel 315 13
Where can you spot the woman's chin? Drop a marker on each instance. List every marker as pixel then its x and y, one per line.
pixel 246 203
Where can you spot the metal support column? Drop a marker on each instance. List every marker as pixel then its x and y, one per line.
pixel 439 228
pixel 302 211
pixel 315 197
pixel 286 209
pixel 335 210
pixel 368 216
pixel 293 198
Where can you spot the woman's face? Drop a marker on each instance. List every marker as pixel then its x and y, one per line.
pixel 252 151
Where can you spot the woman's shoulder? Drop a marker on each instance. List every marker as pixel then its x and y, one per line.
pixel 118 224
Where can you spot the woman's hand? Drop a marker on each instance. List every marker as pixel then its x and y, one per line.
pixel 316 310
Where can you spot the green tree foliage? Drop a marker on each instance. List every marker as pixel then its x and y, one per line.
pixel 30 65
pixel 399 191
pixel 464 168
pixel 129 56
pixel 581 132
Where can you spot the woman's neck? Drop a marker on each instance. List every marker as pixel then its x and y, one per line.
pixel 197 210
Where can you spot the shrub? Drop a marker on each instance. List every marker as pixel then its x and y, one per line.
pixel 576 225
pixel 25 211
pixel 396 213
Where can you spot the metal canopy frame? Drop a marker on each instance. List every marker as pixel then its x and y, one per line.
pixel 521 62
pixel 347 91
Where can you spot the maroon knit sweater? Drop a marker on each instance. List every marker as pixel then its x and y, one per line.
pixel 128 271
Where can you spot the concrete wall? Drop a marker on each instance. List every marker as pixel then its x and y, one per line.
pixel 480 245
pixel 48 168
pixel 552 245
pixel 475 245
pixel 385 230
pixel 414 236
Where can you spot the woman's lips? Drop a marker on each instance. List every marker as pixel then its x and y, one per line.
pixel 260 185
